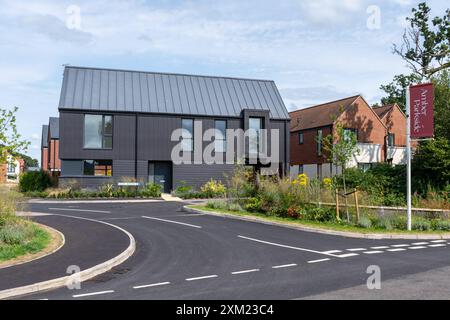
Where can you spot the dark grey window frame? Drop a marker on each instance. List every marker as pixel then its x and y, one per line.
pixel 94 162
pixel 389 137
pixel 301 138
pixel 224 137
pixel 193 134
pixel 319 142
pixel 102 134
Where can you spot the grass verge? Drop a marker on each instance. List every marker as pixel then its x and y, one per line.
pixel 313 224
pixel 20 238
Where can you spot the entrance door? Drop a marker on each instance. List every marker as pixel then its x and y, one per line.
pixel 161 173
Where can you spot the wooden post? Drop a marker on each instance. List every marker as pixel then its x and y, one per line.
pixel 337 205
pixel 356 205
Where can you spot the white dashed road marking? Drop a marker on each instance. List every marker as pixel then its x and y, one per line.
pixel 419 243
pixel 396 250
pixel 170 221
pixel 285 266
pixel 438 241
pixel 437 245
pixel 378 248
pixel 356 249
pixel 400 245
pixel 416 248
pixel 347 255
pixel 92 294
pixel 332 251
pixel 152 285
pixel 317 261
pixel 372 252
pixel 202 278
pixel 245 271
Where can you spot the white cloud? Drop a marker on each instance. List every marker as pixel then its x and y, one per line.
pixel 331 11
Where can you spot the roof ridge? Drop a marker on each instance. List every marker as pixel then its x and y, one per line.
pixel 166 73
pixel 322 104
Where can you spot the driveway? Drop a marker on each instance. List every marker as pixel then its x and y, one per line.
pixel 188 256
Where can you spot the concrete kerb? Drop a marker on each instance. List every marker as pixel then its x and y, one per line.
pixel 82 276
pixel 372 236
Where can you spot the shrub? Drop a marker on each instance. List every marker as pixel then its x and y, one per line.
pixel 151 190
pixel 217 204
pixel 365 222
pixel 320 214
pixel 384 222
pixel 15 233
pixel 421 224
pixel 213 189
pixel 106 190
pixel 399 222
pixel 441 225
pixel 253 205
pixel 34 181
pixel 293 213
pixel 236 207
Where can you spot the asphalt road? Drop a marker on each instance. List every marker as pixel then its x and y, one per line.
pixel 189 256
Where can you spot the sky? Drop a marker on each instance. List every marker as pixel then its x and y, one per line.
pixel 315 50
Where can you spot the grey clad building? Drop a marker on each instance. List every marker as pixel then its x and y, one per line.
pixel 116 124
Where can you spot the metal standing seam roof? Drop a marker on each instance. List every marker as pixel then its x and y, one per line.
pixel 44 137
pixel 150 92
pixel 54 128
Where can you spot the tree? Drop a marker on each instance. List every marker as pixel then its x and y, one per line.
pixel 11 142
pixel 442 104
pixel 340 149
pixel 431 164
pixel 426 44
pixel 396 90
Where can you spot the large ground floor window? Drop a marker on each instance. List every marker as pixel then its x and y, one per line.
pixel 99 168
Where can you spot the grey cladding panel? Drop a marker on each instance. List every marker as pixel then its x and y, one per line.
pixel 146 92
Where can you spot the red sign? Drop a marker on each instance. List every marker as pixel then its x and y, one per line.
pixel 422 111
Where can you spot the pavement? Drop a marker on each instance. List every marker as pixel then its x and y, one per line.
pixel 188 256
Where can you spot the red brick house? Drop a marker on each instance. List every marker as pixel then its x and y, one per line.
pixel 50 160
pixel 371 126
pixel 395 121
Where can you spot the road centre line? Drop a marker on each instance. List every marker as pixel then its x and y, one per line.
pixel 202 278
pixel 92 294
pixel 78 210
pixel 285 266
pixel 171 221
pixel 152 285
pixel 245 271
pixel 286 246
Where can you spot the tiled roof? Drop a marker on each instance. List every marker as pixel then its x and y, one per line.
pixel 320 115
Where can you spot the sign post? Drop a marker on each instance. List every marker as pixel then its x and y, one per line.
pixel 408 159
pixel 419 125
